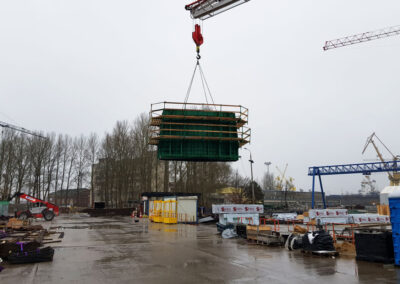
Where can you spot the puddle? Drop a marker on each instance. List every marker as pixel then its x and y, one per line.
pixel 90 227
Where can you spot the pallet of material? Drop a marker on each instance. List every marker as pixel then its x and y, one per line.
pixel 264 235
pixel 15 223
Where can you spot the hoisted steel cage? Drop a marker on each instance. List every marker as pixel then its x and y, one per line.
pixel 198 132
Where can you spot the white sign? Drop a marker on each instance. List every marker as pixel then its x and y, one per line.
pixel 370 219
pixel 237 208
pixel 245 219
pixel 327 213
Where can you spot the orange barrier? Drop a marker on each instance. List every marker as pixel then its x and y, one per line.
pixel 333 232
pixel 263 221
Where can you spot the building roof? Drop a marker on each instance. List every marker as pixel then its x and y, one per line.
pixel 164 194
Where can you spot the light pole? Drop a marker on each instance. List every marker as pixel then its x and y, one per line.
pixel 252 182
pixel 267 164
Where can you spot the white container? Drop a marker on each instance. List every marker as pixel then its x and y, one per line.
pixel 187 209
pixel 389 190
pixel 237 208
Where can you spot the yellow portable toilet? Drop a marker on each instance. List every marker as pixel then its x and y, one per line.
pixel 169 212
pixel 151 209
pixel 158 208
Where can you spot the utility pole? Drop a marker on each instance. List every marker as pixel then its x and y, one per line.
pixel 267 164
pixel 252 181
pixel 268 175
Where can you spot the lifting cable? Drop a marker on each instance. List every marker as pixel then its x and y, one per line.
pixel 204 83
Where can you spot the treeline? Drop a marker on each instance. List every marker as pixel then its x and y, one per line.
pixel 125 166
pixel 129 166
pixel 38 166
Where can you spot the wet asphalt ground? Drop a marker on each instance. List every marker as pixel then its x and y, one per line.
pixel 118 250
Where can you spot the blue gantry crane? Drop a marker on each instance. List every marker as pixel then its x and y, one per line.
pixel 362 168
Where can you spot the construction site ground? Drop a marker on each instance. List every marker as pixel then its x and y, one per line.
pixel 119 250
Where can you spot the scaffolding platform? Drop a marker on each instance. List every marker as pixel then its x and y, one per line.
pixel 198 132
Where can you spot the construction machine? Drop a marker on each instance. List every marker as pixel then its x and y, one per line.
pixel 40 208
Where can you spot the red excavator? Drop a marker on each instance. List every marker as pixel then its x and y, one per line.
pixel 40 208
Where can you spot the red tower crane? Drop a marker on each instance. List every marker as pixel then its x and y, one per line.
pixel 363 37
pixel 204 9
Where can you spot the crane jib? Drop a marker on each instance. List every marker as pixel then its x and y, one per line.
pixel 204 9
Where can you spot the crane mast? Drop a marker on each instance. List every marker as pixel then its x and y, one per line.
pixel 363 37
pixel 20 129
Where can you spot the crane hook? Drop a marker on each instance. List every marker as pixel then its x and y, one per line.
pixel 198 39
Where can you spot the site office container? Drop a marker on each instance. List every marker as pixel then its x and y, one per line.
pixel 187 209
pixel 198 132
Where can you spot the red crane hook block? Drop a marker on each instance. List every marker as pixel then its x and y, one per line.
pixel 197 36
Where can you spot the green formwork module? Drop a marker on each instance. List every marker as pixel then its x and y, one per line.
pixel 207 140
pixel 198 150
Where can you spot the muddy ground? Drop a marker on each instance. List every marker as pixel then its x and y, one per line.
pixel 118 250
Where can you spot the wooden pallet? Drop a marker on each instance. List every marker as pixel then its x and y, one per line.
pixel 268 238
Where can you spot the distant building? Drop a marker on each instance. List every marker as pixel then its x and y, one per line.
pixel 352 200
pixel 71 197
pixel 228 195
pixel 294 199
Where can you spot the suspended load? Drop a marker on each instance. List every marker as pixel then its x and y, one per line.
pixel 194 131
pixel 199 132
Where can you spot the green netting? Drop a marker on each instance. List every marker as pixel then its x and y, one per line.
pixel 198 150
pixel 187 149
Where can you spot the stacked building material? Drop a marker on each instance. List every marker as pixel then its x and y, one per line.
pixel 22 242
pixel 329 216
pixel 264 234
pixel 369 219
pixel 232 214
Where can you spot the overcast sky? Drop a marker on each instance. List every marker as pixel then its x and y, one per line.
pixel 78 66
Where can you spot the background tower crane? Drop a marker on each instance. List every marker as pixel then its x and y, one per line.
pixel 283 182
pixel 368 186
pixel 20 129
pixel 394 176
pixel 363 37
